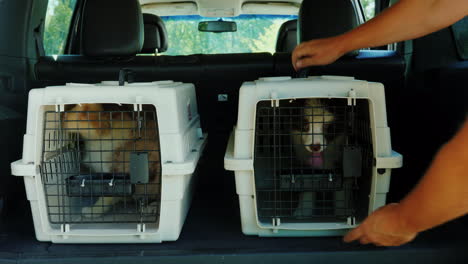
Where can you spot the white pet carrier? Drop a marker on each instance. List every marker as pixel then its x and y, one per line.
pixel 104 163
pixel 312 157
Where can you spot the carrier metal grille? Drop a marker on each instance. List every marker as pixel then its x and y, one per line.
pixel 310 159
pixel 101 164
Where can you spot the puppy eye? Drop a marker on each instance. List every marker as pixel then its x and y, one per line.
pixel 305 127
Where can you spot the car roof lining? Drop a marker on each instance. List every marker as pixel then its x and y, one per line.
pixel 220 8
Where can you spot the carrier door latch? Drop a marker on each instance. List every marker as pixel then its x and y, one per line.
pixel 352 161
pixel 352 97
pixel 139 168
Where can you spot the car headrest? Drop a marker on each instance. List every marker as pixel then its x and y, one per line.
pixel 321 19
pixel 155 34
pixel 112 28
pixel 287 36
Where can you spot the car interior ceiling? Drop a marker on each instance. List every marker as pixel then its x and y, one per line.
pixel 425 84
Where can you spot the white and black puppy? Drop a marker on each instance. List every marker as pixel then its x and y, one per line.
pixel 309 142
pixel 310 147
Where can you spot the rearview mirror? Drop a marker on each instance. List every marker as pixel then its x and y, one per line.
pixel 217 26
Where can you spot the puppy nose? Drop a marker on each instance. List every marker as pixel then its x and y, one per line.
pixel 316 147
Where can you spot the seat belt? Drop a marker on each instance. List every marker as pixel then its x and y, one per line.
pixel 38 37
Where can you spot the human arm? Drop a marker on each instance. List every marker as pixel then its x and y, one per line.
pixel 407 19
pixel 440 196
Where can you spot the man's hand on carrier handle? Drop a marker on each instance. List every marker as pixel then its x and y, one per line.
pixel 318 52
pixel 406 19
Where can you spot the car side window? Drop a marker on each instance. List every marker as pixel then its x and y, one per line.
pixel 369 8
pixel 57 25
pixel 460 33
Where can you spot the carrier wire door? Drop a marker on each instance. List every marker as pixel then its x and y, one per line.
pixel 101 164
pixel 311 160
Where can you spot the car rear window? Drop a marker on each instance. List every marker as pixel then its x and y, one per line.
pixel 255 33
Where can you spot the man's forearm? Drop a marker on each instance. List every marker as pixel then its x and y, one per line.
pixel 442 193
pixel 407 19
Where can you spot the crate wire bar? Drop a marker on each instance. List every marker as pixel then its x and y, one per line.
pixel 75 176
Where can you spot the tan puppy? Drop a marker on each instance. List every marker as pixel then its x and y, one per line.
pixel 109 138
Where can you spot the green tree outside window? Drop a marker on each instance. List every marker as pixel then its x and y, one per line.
pixel 57 25
pixel 369 8
pixel 255 33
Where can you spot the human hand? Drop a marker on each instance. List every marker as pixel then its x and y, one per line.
pixel 317 52
pixel 384 227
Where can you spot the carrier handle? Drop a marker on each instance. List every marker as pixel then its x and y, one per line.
pixel 235 164
pixel 394 161
pixel 20 168
pixel 126 75
pixel 302 73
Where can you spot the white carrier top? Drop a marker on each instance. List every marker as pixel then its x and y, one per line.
pixel 277 88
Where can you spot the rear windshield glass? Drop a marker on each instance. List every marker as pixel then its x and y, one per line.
pixel 255 33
